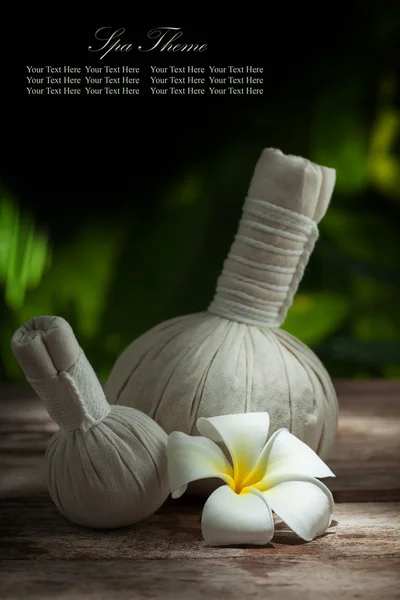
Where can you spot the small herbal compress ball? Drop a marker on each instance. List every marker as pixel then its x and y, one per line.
pixel 106 466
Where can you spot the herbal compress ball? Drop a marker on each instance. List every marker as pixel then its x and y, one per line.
pixel 106 466
pixel 234 358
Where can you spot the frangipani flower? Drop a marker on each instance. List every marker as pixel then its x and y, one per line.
pixel 278 475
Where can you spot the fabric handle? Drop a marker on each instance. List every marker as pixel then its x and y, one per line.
pixel 58 370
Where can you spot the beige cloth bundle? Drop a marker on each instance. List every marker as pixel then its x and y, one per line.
pixel 106 466
pixel 234 357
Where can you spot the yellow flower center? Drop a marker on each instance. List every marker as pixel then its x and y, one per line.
pixel 257 478
pixel 241 486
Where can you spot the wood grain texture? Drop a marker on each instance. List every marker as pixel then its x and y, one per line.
pixel 35 530
pixel 366 454
pixel 221 579
pixel 43 556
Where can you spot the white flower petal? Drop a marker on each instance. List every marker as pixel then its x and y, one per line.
pixel 305 505
pixel 243 434
pixel 193 457
pixel 230 519
pixel 285 453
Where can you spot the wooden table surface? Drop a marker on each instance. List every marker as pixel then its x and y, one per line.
pixel 43 556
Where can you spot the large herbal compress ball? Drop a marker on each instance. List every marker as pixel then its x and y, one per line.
pixel 234 358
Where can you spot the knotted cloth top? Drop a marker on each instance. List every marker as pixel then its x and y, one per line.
pixel 59 372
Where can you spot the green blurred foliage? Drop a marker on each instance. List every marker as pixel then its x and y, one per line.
pixel 315 316
pixel 24 253
pixel 74 285
pixel 340 135
pixel 383 163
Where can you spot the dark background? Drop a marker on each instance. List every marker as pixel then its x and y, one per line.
pixel 117 212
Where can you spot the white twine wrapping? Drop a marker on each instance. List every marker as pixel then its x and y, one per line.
pixel 265 265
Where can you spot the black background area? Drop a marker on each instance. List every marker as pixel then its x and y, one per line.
pixel 83 150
